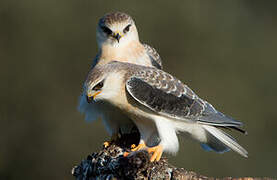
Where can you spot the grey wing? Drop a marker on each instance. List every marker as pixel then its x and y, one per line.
pixel 166 95
pixel 154 56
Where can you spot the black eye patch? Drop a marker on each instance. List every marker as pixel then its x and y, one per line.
pixel 106 30
pixel 127 28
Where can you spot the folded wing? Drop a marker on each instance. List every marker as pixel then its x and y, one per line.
pixel 168 96
pixel 154 56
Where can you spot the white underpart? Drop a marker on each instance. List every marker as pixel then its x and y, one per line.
pixel 91 113
pixel 112 118
pixel 194 130
pixel 156 130
pixel 167 134
pixel 141 59
pixel 167 130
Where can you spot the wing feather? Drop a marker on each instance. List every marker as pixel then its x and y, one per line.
pixel 166 95
pixel 154 56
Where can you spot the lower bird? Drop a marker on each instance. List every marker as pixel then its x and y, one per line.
pixel 161 106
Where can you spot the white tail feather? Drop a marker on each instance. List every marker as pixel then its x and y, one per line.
pixel 226 139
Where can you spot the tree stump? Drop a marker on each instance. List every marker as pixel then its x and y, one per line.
pixel 109 163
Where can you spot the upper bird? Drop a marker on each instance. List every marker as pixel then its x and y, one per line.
pixel 161 106
pixel 117 39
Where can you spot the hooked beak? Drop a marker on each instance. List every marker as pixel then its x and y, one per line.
pixel 91 97
pixel 117 36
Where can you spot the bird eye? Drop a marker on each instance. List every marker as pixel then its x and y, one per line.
pixel 127 28
pixel 106 30
pixel 98 86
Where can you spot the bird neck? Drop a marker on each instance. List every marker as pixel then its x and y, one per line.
pixel 130 52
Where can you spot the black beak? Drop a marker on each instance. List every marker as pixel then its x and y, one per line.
pixel 89 99
pixel 117 37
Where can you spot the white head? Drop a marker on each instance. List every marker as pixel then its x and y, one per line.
pixel 103 83
pixel 116 29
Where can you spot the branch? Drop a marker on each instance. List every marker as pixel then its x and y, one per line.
pixel 109 163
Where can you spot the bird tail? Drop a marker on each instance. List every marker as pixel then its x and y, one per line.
pixel 220 141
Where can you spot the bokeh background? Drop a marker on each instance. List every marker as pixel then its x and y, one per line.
pixel 225 50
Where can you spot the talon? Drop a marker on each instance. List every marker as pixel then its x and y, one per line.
pixel 138 147
pixel 157 153
pixel 114 138
pixel 106 144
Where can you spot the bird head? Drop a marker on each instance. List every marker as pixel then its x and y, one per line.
pixel 102 83
pixel 94 90
pixel 116 29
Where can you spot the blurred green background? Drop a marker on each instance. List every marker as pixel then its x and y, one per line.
pixel 226 51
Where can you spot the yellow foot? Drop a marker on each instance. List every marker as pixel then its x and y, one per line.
pixel 135 148
pixel 125 154
pixel 139 147
pixel 156 150
pixel 106 144
pixel 157 153
pixel 113 138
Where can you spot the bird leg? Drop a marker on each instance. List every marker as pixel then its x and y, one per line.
pixel 157 153
pixel 114 137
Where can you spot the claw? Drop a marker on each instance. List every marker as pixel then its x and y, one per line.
pixel 138 147
pixel 106 144
pixel 156 150
pixel 114 137
pixel 135 148
pixel 157 153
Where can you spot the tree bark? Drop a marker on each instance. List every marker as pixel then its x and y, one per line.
pixel 109 163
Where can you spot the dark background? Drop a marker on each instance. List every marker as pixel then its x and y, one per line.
pixel 224 50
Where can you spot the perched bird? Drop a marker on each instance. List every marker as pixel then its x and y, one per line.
pixel 161 106
pixel 117 39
